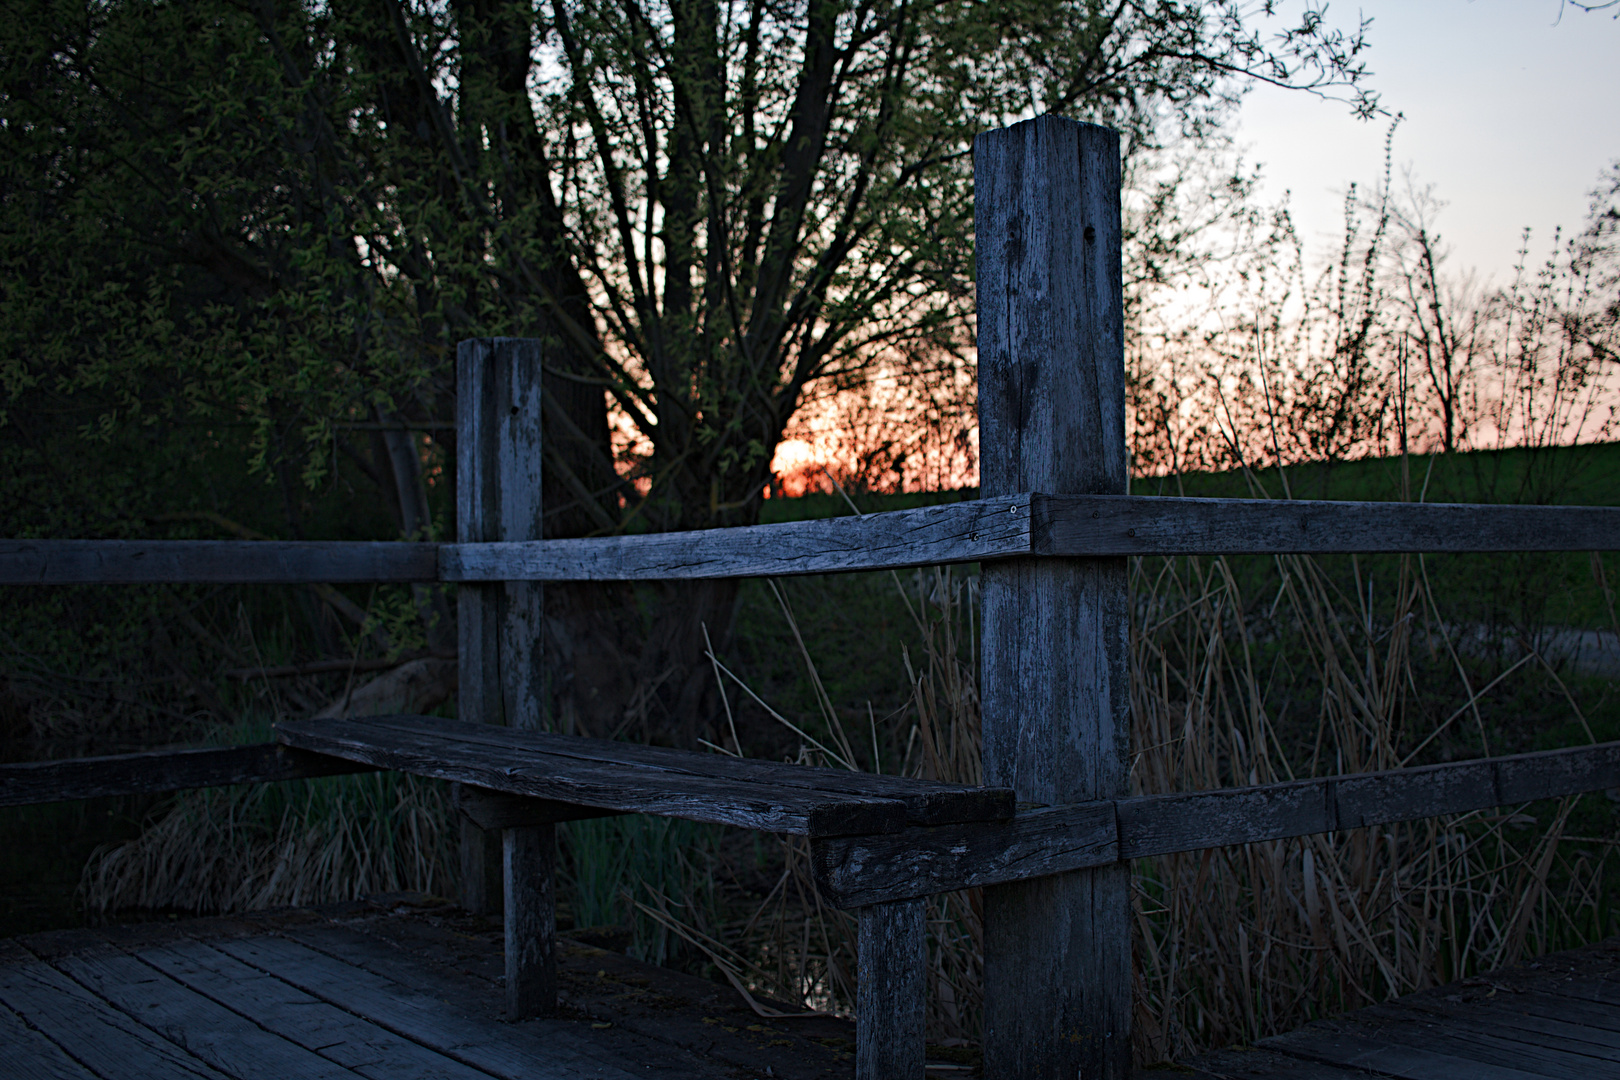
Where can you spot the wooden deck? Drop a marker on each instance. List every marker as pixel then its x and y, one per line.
pixel 1555 1017
pixel 404 989
pixel 396 991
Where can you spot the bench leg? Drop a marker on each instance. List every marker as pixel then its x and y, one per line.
pixel 529 858
pixel 890 992
pixel 480 870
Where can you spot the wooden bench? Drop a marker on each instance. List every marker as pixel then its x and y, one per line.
pixel 523 782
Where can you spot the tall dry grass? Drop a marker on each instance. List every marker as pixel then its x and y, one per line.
pixel 1318 675
pixel 1234 944
pixel 294 843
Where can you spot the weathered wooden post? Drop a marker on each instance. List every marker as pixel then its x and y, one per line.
pixel 1055 685
pixel 498 630
pixel 891 993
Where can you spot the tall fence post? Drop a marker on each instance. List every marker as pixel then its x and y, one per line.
pixel 1055 689
pixel 498 631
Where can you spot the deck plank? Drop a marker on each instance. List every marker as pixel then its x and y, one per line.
pixel 1600 989
pixel 1601 1021
pixel 1506 1020
pixel 680 1024
pixel 1249 1063
pixel 31 1056
pixel 503 1050
pixel 1432 1051
pixel 303 1018
pixel 199 1025
pixel 1353 1051
pixel 103 1040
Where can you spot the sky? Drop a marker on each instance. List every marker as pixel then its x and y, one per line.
pixel 1511 110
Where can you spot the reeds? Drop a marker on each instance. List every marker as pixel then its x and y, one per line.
pixel 273 845
pixel 1234 944
pixel 1244 672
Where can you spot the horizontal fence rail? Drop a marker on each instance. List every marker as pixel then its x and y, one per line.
pixel 854 871
pixel 154 772
pixel 1010 527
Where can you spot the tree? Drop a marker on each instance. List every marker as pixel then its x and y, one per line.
pixel 284 215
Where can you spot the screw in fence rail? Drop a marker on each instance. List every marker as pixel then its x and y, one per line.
pixel 498 631
pixel 1054 689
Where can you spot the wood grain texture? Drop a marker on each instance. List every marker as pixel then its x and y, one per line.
pixel 449 754
pixel 197 1024
pixel 498 467
pixel 1431 1051
pixel 927 802
pixel 386 986
pixel 31 1056
pixel 498 475
pixel 529 870
pixel 930 535
pixel 1152 525
pixel 1160 824
pixel 1054 677
pixel 222 562
pixel 1502 1022
pixel 230 973
pixel 1003 527
pixel 99 1037
pixel 773 796
pixel 855 871
pixel 890 992
pixel 161 770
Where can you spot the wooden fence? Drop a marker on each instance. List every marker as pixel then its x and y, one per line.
pixel 1052 530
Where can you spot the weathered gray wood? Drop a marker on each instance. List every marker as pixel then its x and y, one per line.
pixel 529 870
pixel 1160 824
pixel 854 871
pixel 481 1043
pixel 928 802
pixel 221 562
pixel 197 1024
pixel 1054 680
pixel 1600 1022
pixel 1501 1020
pixel 498 501
pixel 498 810
pixel 1250 1063
pixel 161 770
pixel 98 1036
pixel 386 986
pixel 1604 991
pixel 31 1056
pixel 891 992
pixel 302 1017
pixel 448 753
pixel 498 472
pixel 1043 524
pixel 991 528
pixel 1150 525
pixel 931 535
pixel 1432 1051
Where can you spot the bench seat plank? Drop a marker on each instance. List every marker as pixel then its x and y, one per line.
pixel 770 796
pixel 929 802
